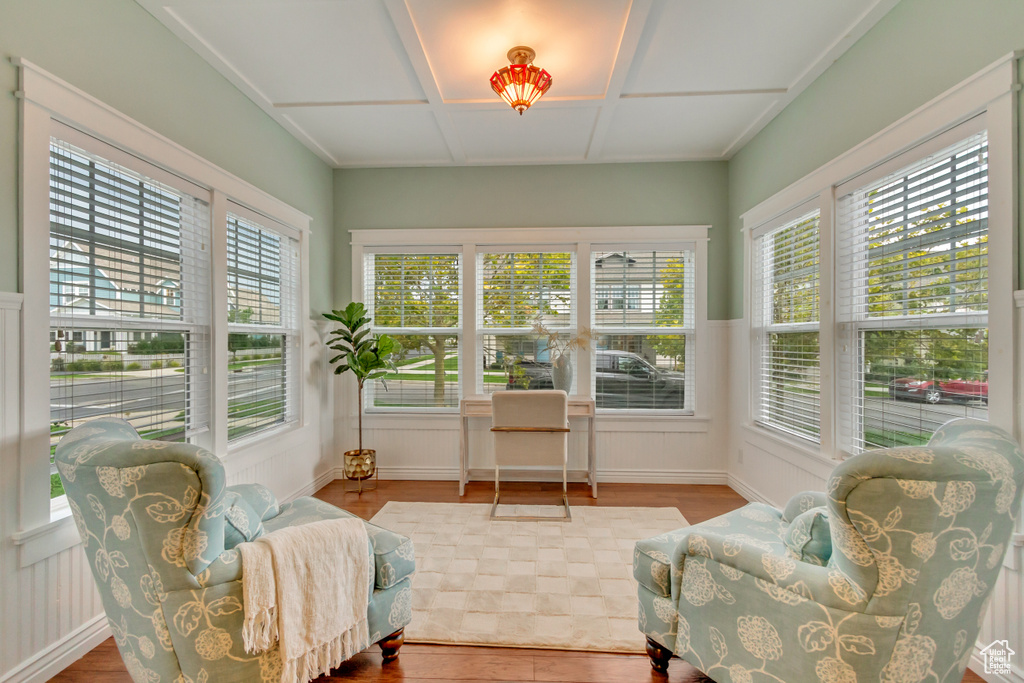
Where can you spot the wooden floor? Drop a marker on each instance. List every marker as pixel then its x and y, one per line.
pixel 432 663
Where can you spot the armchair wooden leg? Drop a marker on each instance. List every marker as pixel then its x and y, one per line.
pixel 659 655
pixel 389 645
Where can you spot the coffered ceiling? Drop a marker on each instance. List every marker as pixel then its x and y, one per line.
pixel 367 83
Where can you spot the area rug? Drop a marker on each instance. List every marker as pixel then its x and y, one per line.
pixel 535 584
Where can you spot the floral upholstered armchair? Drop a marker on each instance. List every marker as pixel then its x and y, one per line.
pixel 159 528
pixel 884 578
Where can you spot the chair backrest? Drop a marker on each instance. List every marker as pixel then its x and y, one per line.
pixel 543 408
pixel 920 533
pixel 151 517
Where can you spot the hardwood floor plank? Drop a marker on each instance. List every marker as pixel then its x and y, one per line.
pixel 421 663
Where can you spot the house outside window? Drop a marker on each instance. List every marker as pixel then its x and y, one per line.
pixel 117 236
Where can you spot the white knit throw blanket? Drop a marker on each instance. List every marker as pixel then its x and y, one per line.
pixel 307 587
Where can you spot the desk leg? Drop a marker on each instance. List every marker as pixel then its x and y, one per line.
pixel 463 455
pixel 592 457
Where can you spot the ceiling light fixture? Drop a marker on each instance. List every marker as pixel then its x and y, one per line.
pixel 521 83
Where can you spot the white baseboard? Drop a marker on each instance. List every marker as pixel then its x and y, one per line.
pixel 747 491
pixel 415 473
pixel 53 659
pixel 662 477
pixel 317 484
pixel 603 476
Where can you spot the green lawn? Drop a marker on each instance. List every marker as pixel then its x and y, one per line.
pixel 887 438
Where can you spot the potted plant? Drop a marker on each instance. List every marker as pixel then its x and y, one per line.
pixel 561 346
pixel 368 356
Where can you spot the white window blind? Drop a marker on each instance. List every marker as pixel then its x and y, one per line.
pixel 414 298
pixel 644 327
pixel 785 323
pixel 263 330
pixel 912 296
pixel 517 290
pixel 129 269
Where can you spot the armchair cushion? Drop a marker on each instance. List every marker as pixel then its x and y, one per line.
pixel 242 523
pixel 260 498
pixel 809 536
pixel 802 502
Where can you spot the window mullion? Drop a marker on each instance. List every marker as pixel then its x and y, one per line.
pixel 217 438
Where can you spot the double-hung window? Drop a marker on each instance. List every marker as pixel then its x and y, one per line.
pixel 912 293
pixel 523 297
pixel 263 331
pixel 414 298
pixel 644 338
pixel 784 325
pixel 129 288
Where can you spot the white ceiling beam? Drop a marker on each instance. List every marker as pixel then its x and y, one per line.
pixel 632 32
pixel 401 17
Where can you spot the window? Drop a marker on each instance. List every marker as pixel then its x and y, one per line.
pixel 785 317
pixel 913 294
pixel 644 340
pixel 478 311
pixel 414 298
pixel 118 238
pixel 520 293
pixel 262 281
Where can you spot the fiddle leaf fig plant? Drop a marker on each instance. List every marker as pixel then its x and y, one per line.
pixel 367 355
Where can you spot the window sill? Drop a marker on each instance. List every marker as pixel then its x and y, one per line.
pixel 786 446
pixel 606 421
pixel 240 445
pixel 56 536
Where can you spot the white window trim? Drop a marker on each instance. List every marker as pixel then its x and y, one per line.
pixel 990 93
pixel 472 241
pixel 44 528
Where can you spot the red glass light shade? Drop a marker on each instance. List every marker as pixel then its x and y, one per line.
pixel 520 83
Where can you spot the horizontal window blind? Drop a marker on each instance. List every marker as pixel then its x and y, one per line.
pixel 916 242
pixel 644 328
pixel 129 281
pixel 413 290
pixel 912 299
pixel 517 288
pixel 263 275
pixel 644 289
pixel 785 318
pixel 263 300
pixel 414 298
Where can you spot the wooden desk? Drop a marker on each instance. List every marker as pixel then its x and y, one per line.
pixel 480 406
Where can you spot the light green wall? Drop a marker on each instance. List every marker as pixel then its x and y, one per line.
pixel 117 52
pixel 536 196
pixel 920 49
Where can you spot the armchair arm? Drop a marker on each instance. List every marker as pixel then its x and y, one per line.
pixel 777 573
pixel 227 567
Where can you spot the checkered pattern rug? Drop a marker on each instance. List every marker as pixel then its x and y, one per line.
pixel 537 584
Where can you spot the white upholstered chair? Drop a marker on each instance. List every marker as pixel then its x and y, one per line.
pixel 530 429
